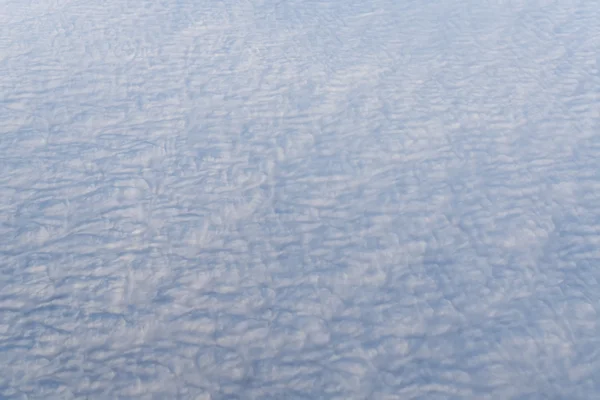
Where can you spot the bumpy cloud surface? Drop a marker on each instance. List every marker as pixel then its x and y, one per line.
pixel 299 199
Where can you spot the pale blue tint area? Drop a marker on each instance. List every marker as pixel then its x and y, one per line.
pixel 299 199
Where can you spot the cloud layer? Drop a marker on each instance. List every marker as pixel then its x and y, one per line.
pixel 300 199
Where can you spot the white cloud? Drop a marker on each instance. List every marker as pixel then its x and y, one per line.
pixel 323 199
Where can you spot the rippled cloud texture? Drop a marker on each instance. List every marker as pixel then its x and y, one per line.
pixel 316 199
